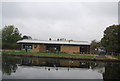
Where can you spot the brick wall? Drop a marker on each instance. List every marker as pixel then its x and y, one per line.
pixel 39 48
pixel 42 48
pixel 70 49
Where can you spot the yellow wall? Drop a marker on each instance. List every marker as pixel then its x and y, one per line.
pixel 70 49
pixel 63 48
pixel 39 48
pixel 42 48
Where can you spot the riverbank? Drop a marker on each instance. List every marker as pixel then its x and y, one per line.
pixel 63 56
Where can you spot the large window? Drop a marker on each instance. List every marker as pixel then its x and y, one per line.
pixel 53 48
pixel 27 47
pixel 82 49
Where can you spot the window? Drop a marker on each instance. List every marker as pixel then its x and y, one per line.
pixel 35 46
pixel 82 49
pixel 27 47
pixel 23 47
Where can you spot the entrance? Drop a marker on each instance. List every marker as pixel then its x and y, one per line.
pixel 53 48
pixel 84 49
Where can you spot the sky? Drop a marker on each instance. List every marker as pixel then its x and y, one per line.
pixel 81 21
pixel 119 12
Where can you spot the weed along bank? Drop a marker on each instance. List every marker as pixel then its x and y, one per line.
pixel 30 45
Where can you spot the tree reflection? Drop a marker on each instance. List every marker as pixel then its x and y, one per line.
pixel 98 66
pixel 108 70
pixel 112 71
pixel 9 64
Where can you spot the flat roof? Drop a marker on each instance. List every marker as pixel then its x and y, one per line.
pixel 53 42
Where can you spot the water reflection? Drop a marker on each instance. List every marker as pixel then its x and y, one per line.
pixel 108 70
pixel 9 64
pixel 112 71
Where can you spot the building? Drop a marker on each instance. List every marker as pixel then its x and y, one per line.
pixel 30 45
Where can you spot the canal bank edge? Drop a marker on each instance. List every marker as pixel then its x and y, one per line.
pixel 66 57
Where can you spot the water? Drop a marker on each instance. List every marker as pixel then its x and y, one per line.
pixel 16 67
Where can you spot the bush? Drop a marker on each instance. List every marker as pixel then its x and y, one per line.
pixel 10 46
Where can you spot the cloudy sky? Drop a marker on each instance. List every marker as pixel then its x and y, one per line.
pixel 83 21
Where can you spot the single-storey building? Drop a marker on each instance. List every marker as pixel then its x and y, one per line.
pixel 30 45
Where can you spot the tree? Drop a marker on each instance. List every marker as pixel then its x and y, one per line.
pixel 0 39
pixel 10 35
pixel 26 37
pixel 94 45
pixel 111 38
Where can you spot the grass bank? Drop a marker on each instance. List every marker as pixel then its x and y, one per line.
pixel 50 54
pixel 118 57
pixel 63 56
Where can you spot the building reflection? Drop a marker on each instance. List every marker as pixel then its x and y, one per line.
pixel 108 70
pixel 55 63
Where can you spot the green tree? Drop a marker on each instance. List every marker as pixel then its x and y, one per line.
pixel 10 35
pixel 111 38
pixel 0 39
pixel 95 44
pixel 26 37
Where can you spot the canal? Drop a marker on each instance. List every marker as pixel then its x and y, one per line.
pixel 17 67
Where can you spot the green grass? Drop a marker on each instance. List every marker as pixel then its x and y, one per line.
pixel 58 54
pixel 118 57
pixel 103 57
pixel 50 54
